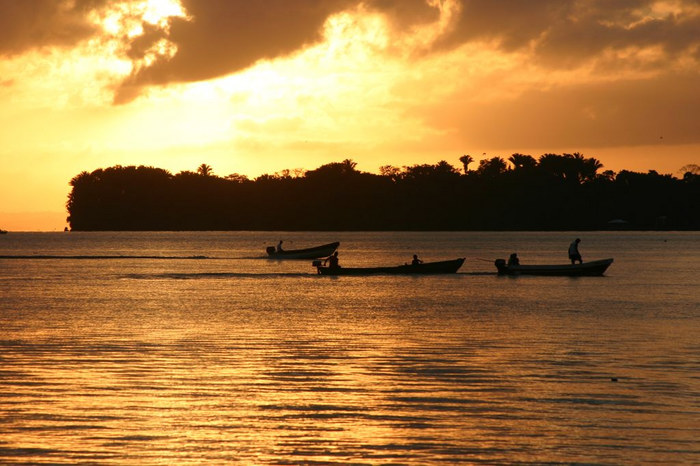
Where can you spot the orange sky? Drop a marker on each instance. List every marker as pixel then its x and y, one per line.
pixel 257 87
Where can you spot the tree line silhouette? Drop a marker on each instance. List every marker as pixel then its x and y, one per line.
pixel 553 192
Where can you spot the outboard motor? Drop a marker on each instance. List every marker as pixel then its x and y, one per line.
pixel 500 265
pixel 270 250
pixel 317 263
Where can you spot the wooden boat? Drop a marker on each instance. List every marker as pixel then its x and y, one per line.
pixel 592 268
pixel 427 268
pixel 315 252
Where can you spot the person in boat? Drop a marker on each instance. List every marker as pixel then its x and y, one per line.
pixel 513 260
pixel 415 260
pixel 279 246
pixel 574 255
pixel 332 261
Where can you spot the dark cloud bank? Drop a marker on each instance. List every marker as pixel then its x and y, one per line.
pixel 224 36
pixel 229 35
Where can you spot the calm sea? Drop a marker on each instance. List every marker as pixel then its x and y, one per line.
pixel 192 348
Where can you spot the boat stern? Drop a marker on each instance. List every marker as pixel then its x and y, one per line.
pixel 501 266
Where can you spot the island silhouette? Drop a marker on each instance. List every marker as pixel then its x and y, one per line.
pixel 552 192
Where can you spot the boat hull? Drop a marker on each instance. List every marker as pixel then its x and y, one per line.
pixel 428 268
pixel 308 253
pixel 593 268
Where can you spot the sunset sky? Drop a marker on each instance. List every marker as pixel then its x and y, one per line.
pixel 258 86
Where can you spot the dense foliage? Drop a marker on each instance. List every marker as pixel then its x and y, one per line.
pixel 521 193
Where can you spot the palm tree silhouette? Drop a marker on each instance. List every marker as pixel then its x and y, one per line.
pixel 205 170
pixel 466 159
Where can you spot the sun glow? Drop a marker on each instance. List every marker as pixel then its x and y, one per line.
pixel 85 75
pixel 125 21
pixel 373 88
pixel 305 106
pixel 126 18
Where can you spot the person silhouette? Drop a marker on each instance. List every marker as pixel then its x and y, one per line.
pixel 332 261
pixel 574 255
pixel 415 260
pixel 513 260
pixel 279 246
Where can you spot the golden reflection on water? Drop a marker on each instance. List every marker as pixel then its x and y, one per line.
pixel 144 363
pixel 259 395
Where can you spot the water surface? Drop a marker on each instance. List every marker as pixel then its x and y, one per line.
pixel 154 348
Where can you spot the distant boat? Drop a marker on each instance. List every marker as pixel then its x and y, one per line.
pixel 3 232
pixel 592 268
pixel 426 268
pixel 308 253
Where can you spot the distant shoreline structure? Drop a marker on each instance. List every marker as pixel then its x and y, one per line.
pixel 552 193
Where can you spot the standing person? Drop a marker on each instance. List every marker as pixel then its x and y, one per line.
pixel 574 255
pixel 415 260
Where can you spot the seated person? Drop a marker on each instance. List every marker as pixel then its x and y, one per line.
pixel 332 261
pixel 513 260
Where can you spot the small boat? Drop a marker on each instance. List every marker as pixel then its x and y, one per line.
pixel 426 268
pixel 3 232
pixel 592 268
pixel 308 253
